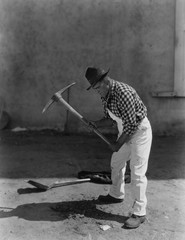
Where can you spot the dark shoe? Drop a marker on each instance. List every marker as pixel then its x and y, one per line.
pixel 134 221
pixel 109 199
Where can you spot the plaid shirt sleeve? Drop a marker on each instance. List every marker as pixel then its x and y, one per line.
pixel 126 106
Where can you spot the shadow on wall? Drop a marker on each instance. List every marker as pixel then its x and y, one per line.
pixel 45 46
pixel 49 43
pixel 53 155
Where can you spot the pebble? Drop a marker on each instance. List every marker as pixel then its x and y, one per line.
pixel 105 227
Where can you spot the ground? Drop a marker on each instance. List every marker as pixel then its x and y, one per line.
pixel 47 156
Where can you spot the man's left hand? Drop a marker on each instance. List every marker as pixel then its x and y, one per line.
pixel 119 143
pixel 115 147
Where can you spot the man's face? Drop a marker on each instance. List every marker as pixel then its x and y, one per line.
pixel 102 88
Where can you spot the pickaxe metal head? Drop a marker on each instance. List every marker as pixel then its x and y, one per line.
pixel 55 97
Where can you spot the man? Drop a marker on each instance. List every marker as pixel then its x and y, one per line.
pixel 123 106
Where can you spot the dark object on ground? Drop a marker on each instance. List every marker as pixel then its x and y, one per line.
pixel 134 221
pixel 109 199
pixel 101 177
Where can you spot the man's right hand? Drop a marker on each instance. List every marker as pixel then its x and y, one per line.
pixel 92 125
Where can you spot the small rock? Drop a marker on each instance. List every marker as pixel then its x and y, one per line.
pixel 116 225
pixel 105 227
pixel 80 215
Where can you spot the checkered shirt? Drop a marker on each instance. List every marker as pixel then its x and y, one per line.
pixel 124 102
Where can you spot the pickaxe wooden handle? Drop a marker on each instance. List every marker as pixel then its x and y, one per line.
pixel 58 97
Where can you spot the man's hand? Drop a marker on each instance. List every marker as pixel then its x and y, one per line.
pixel 91 126
pixel 115 147
pixel 120 142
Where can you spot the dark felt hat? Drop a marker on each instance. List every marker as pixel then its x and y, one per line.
pixel 94 75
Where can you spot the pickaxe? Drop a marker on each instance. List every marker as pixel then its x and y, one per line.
pixel 58 97
pixel 55 98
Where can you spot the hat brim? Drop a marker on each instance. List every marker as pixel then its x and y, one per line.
pixel 104 75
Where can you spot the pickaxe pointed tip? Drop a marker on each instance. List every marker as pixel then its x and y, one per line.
pixel 47 105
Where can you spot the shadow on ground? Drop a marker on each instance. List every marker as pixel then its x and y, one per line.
pixel 60 211
pixel 49 154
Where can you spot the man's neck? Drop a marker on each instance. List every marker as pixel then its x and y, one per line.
pixel 109 90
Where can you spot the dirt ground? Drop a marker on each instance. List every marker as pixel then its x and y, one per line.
pixel 48 156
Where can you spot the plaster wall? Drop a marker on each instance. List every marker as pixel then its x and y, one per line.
pixel 45 45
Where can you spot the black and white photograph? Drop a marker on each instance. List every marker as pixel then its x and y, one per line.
pixel 92 119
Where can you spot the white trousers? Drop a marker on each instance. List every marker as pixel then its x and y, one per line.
pixel 137 150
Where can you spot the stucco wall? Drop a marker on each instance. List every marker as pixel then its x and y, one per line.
pixel 47 44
